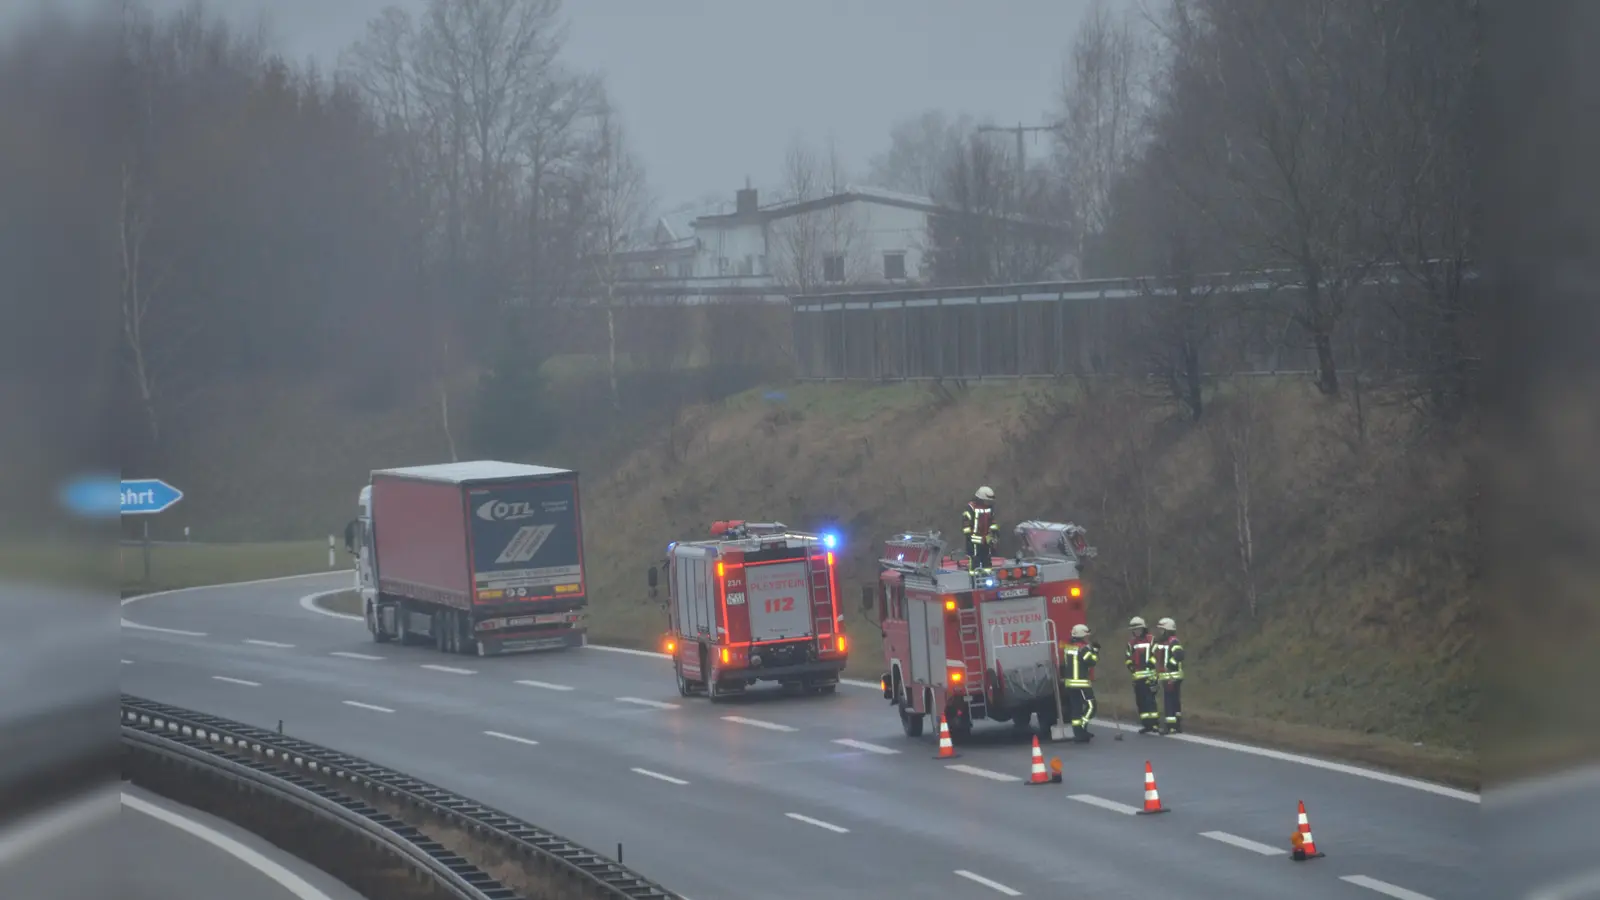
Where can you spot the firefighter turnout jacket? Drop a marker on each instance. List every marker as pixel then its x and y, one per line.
pixel 1141 656
pixel 1078 658
pixel 978 522
pixel 1168 655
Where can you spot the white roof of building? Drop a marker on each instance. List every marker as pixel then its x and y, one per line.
pixel 472 470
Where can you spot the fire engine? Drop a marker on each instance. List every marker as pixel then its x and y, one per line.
pixel 755 602
pixel 979 646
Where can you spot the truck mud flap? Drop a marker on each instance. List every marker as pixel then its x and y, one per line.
pixel 532 643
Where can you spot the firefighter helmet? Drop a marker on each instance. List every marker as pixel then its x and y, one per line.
pixel 1136 622
pixel 984 493
pixel 1166 624
pixel 1080 630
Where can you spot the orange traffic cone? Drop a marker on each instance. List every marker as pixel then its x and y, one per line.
pixel 1152 798
pixel 1305 847
pixel 1039 775
pixel 947 750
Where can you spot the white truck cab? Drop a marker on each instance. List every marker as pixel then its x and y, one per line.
pixel 358 543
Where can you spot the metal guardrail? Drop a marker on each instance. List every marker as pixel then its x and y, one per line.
pixel 275 760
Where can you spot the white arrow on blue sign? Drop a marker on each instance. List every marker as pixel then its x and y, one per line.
pixel 145 496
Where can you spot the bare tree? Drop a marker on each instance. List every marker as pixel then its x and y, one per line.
pixel 986 233
pixel 621 207
pixel 919 149
pixel 1237 438
pixel 1102 104
pixel 821 235
pixel 139 289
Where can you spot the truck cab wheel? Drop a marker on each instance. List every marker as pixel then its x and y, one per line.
pixel 375 625
pixel 911 722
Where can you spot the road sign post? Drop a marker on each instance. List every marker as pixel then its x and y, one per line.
pixel 146 497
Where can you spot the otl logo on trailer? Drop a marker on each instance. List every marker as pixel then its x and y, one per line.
pixel 505 511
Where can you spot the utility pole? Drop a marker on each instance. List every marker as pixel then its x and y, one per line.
pixel 1019 129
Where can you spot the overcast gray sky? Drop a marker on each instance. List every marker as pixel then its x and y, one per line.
pixel 713 90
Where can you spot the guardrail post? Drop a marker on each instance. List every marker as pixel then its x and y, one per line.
pixel 330 551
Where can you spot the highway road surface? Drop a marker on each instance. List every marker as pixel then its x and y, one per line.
pixel 797 797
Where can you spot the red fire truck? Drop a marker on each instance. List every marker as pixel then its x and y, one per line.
pixel 755 602
pixel 979 646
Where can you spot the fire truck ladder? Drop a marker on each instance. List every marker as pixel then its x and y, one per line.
pixel 972 657
pixel 821 597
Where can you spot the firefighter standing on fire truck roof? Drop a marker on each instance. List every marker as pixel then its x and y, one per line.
pixel 1168 653
pixel 981 529
pixel 1142 666
pixel 1078 657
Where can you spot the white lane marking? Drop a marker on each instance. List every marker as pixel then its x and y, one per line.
pixel 667 778
pixel 127 662
pixel 758 723
pixel 863 745
pixel 294 884
pixel 310 604
pixel 988 883
pixel 450 669
pixel 232 584
pixel 546 685
pixel 1245 843
pixel 628 650
pixel 236 681
pixel 360 705
pixel 856 682
pixel 1384 887
pixel 21 837
pixel 268 644
pixel 512 737
pixel 350 655
pixel 137 627
pixel 818 822
pixel 983 773
pixel 1576 888
pixel 656 704
pixel 1103 803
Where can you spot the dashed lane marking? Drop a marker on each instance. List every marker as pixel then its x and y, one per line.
pixel 127 662
pixel 982 773
pixel 863 745
pixel 1384 887
pixel 1244 843
pixel 351 655
pixel 759 723
pixel 819 823
pixel 359 705
pixel 179 631
pixel 277 644
pixel 449 669
pixel 513 738
pixel 546 685
pixel 657 775
pixel 653 704
pixel 1103 803
pixel 988 883
pixel 236 681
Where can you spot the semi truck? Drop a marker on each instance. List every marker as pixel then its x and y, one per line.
pixel 755 602
pixel 480 557
pixel 972 646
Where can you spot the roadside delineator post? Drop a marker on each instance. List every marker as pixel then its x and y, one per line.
pixel 1303 844
pixel 1152 798
pixel 947 750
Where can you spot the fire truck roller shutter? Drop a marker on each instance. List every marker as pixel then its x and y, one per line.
pixel 1016 636
pixel 778 597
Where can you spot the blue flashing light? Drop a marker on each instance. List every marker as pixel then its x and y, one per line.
pixel 830 541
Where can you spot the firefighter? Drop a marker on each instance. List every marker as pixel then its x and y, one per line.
pixel 981 529
pixel 1168 653
pixel 1078 657
pixel 1142 666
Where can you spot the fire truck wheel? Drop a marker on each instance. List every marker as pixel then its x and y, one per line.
pixel 1022 720
pixel 686 688
pixel 713 693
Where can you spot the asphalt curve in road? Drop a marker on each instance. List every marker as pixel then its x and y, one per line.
pixel 772 796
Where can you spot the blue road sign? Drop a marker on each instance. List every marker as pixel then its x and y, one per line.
pixel 90 496
pixel 145 496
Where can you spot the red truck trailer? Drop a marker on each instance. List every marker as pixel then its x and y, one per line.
pixel 480 557
pixel 979 646
pixel 756 602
